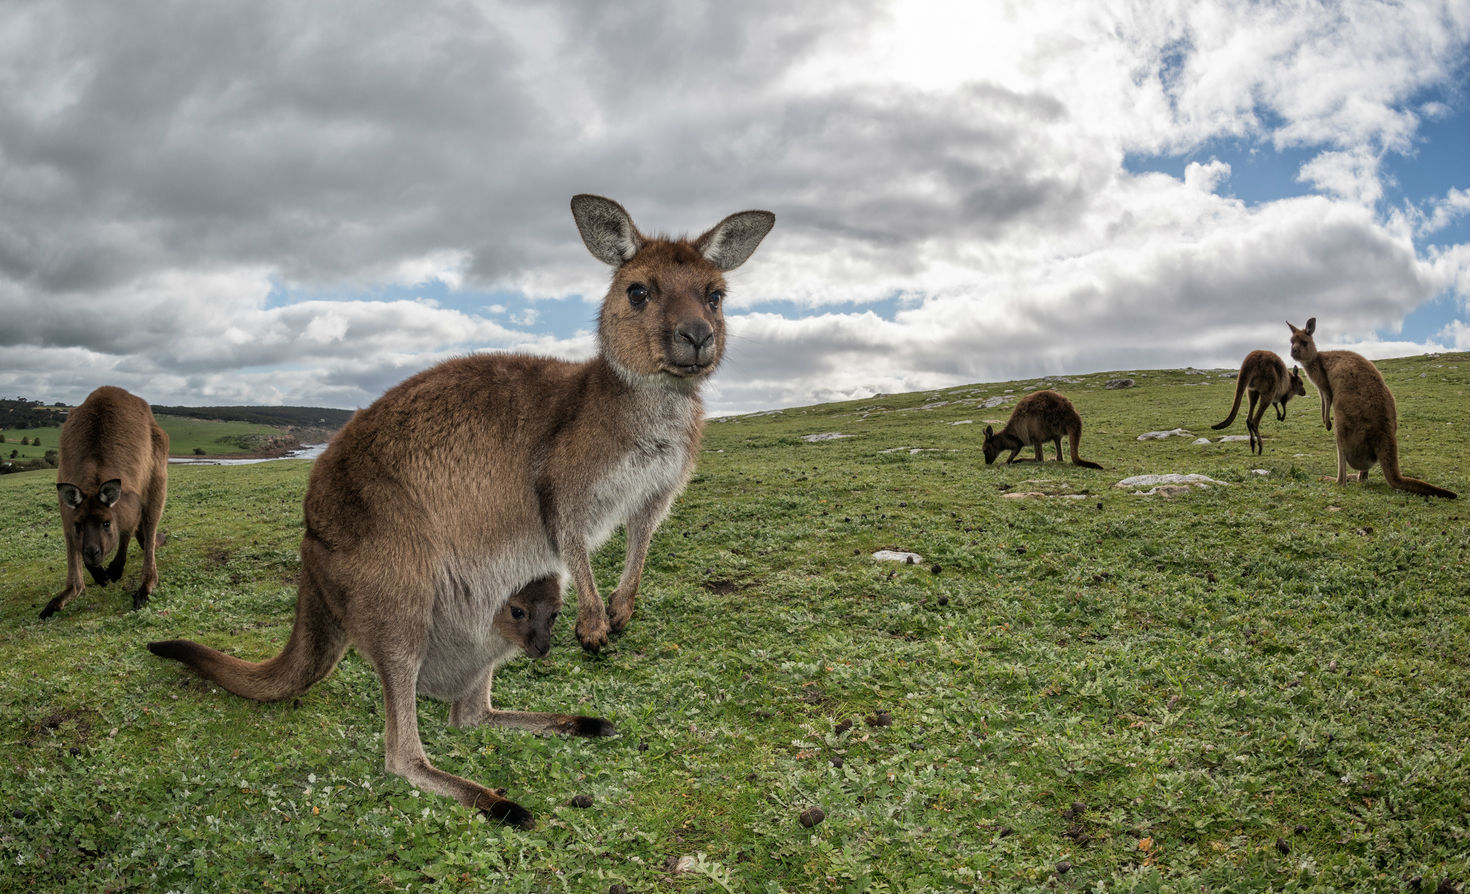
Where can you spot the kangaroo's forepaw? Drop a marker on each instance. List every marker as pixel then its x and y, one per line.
pixel 140 599
pixel 592 636
pixel 619 613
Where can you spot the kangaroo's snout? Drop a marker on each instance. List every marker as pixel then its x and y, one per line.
pixel 693 344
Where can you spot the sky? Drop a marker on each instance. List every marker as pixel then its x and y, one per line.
pixel 305 203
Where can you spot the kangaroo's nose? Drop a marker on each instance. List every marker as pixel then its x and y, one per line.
pixel 697 333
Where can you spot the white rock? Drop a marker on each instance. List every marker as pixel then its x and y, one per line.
pixel 1161 435
pixel 893 555
pixel 825 436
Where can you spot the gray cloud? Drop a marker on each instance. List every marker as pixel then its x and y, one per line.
pixel 183 181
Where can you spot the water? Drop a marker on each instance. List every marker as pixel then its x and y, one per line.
pixel 308 451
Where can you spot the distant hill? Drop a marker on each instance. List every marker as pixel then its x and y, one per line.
pixel 19 413
pixel 283 417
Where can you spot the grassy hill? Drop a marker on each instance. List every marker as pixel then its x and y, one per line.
pixel 1264 684
pixel 197 435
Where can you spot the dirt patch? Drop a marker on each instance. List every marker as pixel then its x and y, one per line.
pixel 69 727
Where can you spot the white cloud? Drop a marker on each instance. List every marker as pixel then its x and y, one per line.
pixel 168 200
pixel 1352 176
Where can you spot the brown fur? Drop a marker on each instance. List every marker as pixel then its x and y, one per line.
pixel 1038 418
pixel 1352 389
pixel 1264 375
pixel 111 485
pixel 485 475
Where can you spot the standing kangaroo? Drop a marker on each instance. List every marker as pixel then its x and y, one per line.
pixel 1353 389
pixel 1264 375
pixel 467 482
pixel 111 483
pixel 1038 418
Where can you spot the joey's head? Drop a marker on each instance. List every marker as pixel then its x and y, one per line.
pixel 92 519
pixel 663 319
pixel 1298 387
pixel 529 614
pixel 991 448
pixel 1303 348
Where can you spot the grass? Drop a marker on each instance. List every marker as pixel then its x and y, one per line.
pixel 186 435
pixel 1263 685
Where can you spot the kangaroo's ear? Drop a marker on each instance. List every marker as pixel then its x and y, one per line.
pixel 71 495
pixel 111 492
pixel 606 228
pixel 731 242
pixel 989 432
pixel 1311 325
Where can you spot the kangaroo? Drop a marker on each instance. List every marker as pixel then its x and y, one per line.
pixel 111 485
pixel 1264 375
pixel 466 482
pixel 1353 389
pixel 1038 417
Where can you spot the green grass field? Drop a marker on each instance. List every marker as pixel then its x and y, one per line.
pixel 185 435
pixel 1262 685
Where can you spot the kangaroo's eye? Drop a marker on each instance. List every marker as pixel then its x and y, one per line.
pixel 107 526
pixel 517 613
pixel 716 298
pixel 554 616
pixel 637 295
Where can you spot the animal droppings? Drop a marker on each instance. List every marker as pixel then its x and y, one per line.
pixel 811 816
pixel 582 802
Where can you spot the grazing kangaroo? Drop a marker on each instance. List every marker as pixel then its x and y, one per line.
pixel 1038 417
pixel 1264 375
pixel 485 474
pixel 111 483
pixel 1353 389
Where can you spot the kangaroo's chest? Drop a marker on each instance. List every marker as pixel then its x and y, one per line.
pixel 649 474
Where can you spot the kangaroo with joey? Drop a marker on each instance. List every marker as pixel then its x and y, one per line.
pixel 1352 389
pixel 111 484
pixel 1039 417
pixel 466 483
pixel 1264 375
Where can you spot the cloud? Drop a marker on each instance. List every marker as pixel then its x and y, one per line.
pixel 210 203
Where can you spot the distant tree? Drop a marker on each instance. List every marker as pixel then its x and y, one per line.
pixel 2 439
pixel 198 451
pixel 51 458
pixel 15 454
pixel 36 441
pixel 25 442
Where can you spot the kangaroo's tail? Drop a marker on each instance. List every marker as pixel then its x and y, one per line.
pixel 1235 407
pixel 317 643
pixel 1075 438
pixel 1388 459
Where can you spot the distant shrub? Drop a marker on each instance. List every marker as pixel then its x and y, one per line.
pixel 198 451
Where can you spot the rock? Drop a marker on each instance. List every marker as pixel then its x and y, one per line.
pixel 1118 384
pixel 894 555
pixel 1170 485
pixel 991 403
pixel 1201 441
pixel 1161 435
pixel 824 436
